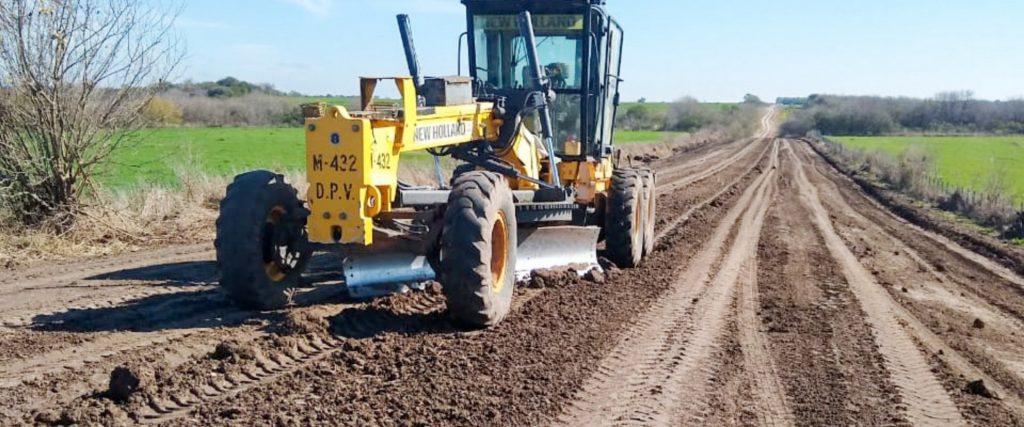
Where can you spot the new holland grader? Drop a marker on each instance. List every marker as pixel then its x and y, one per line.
pixel 538 184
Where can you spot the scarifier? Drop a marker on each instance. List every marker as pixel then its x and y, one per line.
pixel 538 185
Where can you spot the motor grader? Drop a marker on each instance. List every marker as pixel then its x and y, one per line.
pixel 539 184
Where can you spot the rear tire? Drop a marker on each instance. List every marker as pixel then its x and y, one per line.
pixel 650 181
pixel 478 249
pixel 262 246
pixel 624 232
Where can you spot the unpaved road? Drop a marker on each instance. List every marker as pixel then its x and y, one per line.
pixel 780 294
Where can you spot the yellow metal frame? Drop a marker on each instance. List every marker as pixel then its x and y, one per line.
pixel 352 158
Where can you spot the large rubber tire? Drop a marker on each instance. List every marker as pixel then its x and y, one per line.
pixel 262 245
pixel 478 249
pixel 624 220
pixel 650 181
pixel 460 170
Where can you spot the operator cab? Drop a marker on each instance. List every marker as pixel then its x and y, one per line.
pixel 579 47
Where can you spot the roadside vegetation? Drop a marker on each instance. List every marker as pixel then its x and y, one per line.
pixel 914 172
pixel 972 163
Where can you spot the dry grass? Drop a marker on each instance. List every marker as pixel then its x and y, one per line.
pixel 119 222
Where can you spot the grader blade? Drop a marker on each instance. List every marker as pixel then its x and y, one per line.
pixel 557 247
pixel 374 275
pixel 540 248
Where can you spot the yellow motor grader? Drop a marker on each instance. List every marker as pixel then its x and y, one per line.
pixel 538 184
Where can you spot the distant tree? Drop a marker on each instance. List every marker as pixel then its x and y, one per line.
pixel 751 99
pixel 228 82
pixel 642 100
pixel 639 117
pixel 687 114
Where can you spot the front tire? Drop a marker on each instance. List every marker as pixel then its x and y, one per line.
pixel 478 249
pixel 262 246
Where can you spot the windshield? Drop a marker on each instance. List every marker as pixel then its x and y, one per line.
pixel 501 52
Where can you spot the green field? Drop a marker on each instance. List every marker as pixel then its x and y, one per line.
pixel 158 155
pixel 644 137
pixel 963 161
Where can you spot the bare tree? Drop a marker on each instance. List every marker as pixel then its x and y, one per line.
pixel 74 76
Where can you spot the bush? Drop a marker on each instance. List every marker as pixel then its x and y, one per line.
pixel 162 111
pixel 689 115
pixel 254 109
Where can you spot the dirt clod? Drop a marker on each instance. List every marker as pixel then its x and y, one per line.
pixel 552 278
pixel 979 388
pixel 978 324
pixel 302 323
pixel 126 381
pixel 234 351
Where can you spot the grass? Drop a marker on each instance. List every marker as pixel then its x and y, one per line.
pixel 644 137
pixel 158 155
pixel 963 161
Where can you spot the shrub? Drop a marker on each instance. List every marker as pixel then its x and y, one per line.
pixel 162 111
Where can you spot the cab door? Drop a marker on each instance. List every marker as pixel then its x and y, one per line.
pixel 611 80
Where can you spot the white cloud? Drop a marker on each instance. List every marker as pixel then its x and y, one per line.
pixel 315 7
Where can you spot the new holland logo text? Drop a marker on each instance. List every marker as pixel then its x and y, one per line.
pixel 443 131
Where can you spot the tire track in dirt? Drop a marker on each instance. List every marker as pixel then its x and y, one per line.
pixel 941 292
pixel 926 401
pixel 110 344
pixel 268 368
pixel 683 162
pixel 674 185
pixel 770 400
pixel 57 275
pixel 647 377
pixel 685 216
pixel 823 350
pixel 100 284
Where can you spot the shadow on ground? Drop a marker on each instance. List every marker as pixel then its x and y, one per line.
pixel 199 304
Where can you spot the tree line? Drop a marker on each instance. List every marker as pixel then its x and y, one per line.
pixel 688 115
pixel 946 113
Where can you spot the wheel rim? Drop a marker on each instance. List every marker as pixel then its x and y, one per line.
pixel 279 255
pixel 499 253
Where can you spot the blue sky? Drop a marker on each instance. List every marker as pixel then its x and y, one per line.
pixel 712 50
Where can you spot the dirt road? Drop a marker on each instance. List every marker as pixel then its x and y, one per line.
pixel 779 294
